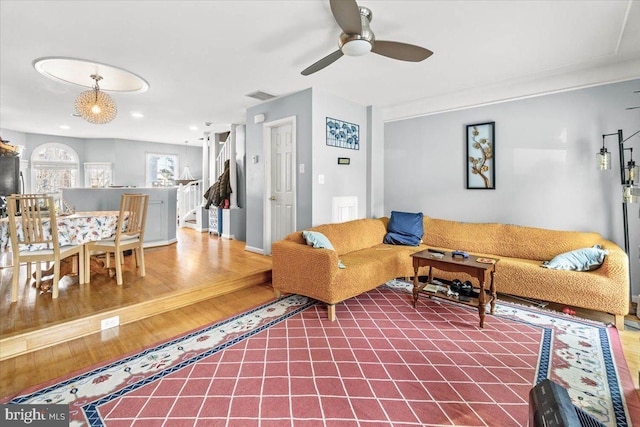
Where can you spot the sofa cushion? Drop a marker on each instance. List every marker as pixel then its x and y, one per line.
pixel 319 240
pixel 405 228
pixel 585 259
pixel 354 235
pixel 504 239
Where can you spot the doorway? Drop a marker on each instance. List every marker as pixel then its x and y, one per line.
pixel 280 180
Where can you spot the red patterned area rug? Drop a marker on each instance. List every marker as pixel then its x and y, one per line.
pixel 382 363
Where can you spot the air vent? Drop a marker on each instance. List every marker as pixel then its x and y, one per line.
pixel 262 96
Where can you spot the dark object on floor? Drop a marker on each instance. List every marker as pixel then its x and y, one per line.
pixel 550 405
pixel 464 289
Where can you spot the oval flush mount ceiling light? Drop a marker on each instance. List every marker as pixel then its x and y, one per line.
pixel 75 71
pixel 94 105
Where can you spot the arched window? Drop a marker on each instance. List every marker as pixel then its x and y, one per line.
pixel 54 166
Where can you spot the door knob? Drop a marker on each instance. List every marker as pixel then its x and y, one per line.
pixel 272 198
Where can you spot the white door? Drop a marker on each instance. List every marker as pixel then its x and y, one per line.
pixel 283 181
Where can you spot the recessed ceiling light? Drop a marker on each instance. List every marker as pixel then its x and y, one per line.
pixel 193 127
pixel 137 115
pixel 65 127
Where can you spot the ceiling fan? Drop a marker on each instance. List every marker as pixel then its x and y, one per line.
pixel 357 38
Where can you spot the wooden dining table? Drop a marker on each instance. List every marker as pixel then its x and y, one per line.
pixel 73 229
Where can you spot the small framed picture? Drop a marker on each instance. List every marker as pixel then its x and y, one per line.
pixel 343 134
pixel 481 158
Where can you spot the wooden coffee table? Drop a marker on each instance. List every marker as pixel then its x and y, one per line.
pixel 457 265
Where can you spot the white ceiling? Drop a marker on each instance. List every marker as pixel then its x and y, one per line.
pixel 202 57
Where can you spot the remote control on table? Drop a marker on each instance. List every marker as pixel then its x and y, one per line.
pixel 460 253
pixel 436 251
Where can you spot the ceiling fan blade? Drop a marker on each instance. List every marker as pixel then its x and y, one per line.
pixel 347 14
pixel 327 60
pixel 401 51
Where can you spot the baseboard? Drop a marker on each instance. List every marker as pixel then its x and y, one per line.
pixel 254 250
pixel 157 243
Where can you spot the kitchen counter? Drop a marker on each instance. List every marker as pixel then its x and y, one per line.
pixel 160 228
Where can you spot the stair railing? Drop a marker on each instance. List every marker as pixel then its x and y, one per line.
pixel 190 200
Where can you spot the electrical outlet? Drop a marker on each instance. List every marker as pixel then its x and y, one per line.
pixel 109 322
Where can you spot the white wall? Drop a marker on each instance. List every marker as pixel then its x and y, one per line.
pixel 375 163
pixel 546 173
pixel 340 180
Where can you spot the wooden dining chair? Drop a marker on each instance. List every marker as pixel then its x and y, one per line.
pixel 129 235
pixel 37 239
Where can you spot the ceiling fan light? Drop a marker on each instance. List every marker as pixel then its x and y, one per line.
pixel 357 47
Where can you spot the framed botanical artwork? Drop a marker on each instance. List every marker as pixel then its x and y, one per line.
pixel 481 158
pixel 343 134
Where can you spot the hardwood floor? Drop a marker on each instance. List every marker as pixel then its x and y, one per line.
pixel 196 263
pixel 196 268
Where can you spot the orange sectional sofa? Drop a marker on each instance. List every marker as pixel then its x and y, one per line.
pixel 301 269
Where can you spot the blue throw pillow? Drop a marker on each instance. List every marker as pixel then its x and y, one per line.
pixel 319 240
pixel 586 259
pixel 405 228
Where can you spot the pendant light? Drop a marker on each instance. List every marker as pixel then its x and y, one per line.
pixel 630 188
pixel 186 173
pixel 604 157
pixel 96 106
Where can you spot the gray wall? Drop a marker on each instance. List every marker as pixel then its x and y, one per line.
pixel 340 180
pixel 311 107
pixel 239 214
pixel 546 174
pixel 298 105
pixel 160 226
pixel 128 157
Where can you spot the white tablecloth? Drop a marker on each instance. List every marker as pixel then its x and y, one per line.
pixel 75 229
